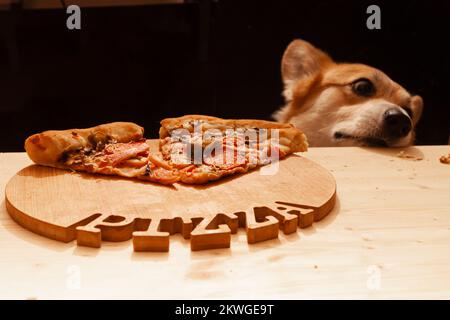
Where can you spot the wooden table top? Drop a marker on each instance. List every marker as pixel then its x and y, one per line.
pixel 388 237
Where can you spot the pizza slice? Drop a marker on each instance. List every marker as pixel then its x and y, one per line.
pixel 205 148
pixel 117 148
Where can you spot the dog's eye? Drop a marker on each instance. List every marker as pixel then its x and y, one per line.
pixel 363 87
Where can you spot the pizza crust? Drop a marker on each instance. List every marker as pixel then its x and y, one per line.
pixel 48 147
pixel 205 177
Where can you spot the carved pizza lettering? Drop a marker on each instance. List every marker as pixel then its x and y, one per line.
pixel 153 234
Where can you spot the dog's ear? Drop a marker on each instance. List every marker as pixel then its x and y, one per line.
pixel 416 106
pixel 301 60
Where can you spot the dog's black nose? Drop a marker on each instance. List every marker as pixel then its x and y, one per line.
pixel 396 124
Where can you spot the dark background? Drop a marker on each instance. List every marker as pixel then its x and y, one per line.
pixel 220 58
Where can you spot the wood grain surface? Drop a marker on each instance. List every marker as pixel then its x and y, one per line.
pixel 387 237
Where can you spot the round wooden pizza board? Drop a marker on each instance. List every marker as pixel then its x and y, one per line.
pixel 67 206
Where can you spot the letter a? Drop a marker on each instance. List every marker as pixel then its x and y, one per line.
pixel 374 20
pixel 74 20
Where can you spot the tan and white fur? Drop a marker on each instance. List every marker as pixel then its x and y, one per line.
pixel 343 104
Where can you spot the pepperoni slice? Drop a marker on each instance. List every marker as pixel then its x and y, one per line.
pixel 119 152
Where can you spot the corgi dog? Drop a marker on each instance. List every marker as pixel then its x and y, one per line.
pixel 344 104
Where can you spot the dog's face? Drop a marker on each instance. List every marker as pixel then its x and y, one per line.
pixel 345 104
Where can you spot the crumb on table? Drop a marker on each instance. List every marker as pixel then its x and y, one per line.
pixel 402 154
pixel 445 159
